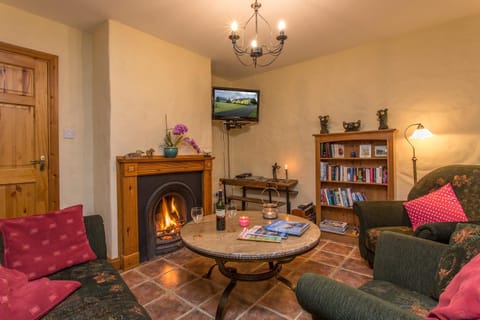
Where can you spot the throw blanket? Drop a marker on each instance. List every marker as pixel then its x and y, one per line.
pixel 461 298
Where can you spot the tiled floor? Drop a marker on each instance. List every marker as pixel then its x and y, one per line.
pixel 172 287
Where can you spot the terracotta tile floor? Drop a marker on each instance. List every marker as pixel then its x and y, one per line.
pixel 172 286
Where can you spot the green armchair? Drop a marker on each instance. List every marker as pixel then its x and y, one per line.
pixel 375 217
pixel 403 280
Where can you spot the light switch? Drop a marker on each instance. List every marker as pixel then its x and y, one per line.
pixel 68 134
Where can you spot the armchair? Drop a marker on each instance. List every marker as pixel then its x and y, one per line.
pixel 375 217
pixel 403 280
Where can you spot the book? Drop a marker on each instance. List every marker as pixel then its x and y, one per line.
pixel 294 228
pixel 244 235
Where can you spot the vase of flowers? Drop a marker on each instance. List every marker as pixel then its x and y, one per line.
pixel 174 137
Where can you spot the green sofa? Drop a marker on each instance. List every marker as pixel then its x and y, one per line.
pixel 103 293
pixel 375 217
pixel 403 281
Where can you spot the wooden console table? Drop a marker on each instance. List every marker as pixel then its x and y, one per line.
pixel 258 183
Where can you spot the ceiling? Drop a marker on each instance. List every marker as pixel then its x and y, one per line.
pixel 314 27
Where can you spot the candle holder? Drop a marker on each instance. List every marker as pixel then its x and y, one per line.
pixel 243 221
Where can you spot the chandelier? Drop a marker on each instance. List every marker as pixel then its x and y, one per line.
pixel 262 51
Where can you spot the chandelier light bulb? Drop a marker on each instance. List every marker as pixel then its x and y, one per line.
pixel 234 26
pixel 281 26
pixel 254 43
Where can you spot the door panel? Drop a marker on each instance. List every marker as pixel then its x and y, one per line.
pixel 23 135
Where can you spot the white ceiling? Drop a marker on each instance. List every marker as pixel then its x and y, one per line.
pixel 314 27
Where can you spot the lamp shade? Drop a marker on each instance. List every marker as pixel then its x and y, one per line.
pixel 421 133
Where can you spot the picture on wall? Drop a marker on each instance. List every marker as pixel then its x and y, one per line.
pixel 365 151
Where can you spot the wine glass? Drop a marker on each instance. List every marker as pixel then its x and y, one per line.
pixel 197 214
pixel 231 212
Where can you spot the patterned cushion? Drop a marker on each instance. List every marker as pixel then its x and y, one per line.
pixel 464 245
pixel 43 244
pixel 103 295
pixel 21 299
pixel 411 301
pixel 373 234
pixel 441 205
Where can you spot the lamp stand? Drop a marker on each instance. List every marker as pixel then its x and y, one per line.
pixel 414 158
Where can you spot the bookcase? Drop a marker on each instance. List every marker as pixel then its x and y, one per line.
pixel 352 166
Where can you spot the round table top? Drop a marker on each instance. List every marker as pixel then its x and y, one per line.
pixel 204 239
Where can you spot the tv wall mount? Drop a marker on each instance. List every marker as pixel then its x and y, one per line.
pixel 234 124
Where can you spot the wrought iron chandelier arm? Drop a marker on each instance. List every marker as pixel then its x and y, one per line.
pixel 257 51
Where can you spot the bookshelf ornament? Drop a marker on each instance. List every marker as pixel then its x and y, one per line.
pixel 324 123
pixel 382 115
pixel 351 126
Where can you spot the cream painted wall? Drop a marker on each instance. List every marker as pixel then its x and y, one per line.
pixel 150 78
pixel 430 76
pixel 73 49
pixel 102 187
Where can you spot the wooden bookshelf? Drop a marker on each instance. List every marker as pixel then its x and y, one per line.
pixel 352 166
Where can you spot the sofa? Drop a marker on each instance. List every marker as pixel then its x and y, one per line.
pixel 103 294
pixel 403 279
pixel 375 217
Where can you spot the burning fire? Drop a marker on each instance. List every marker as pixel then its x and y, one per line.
pixel 167 220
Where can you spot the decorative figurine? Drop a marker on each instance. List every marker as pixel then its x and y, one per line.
pixel 133 155
pixel 150 152
pixel 324 123
pixel 275 167
pixel 351 126
pixel 382 115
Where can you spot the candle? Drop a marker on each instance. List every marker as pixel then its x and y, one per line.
pixel 286 171
pixel 244 221
pixel 286 166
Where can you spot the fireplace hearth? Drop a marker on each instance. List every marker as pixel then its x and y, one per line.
pixel 147 187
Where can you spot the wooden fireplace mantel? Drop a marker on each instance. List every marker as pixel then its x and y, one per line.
pixel 128 170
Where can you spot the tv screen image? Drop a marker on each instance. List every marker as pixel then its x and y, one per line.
pixel 235 104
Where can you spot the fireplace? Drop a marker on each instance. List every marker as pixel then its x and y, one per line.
pixel 145 186
pixel 164 202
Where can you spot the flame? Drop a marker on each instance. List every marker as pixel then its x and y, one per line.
pixel 167 219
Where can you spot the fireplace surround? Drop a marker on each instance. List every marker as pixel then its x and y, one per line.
pixel 130 172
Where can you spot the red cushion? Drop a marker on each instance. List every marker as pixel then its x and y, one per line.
pixel 460 300
pixel 22 300
pixel 44 244
pixel 441 205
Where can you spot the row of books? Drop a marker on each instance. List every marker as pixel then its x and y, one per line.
pixel 334 226
pixel 275 231
pixel 332 150
pixel 344 197
pixel 330 172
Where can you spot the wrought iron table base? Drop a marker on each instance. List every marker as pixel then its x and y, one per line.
pixel 274 269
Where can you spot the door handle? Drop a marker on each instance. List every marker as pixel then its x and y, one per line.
pixel 40 161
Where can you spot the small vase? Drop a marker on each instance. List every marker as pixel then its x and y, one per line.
pixel 170 152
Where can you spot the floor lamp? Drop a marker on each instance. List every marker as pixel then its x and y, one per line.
pixel 420 133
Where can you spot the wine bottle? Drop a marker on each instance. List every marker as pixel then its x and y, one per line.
pixel 220 212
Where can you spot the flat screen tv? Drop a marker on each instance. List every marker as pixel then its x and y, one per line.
pixel 235 104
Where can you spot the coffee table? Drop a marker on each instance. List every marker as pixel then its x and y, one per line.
pixel 224 247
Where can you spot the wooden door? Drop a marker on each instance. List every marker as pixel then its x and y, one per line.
pixel 25 135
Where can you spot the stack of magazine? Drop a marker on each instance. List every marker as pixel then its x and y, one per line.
pixel 258 233
pixel 334 226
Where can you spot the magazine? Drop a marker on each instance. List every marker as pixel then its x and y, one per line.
pixel 244 235
pixel 261 231
pixel 294 228
pixel 334 226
